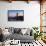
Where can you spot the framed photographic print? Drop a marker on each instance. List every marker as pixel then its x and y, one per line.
pixel 15 15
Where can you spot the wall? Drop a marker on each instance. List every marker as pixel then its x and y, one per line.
pixel 31 14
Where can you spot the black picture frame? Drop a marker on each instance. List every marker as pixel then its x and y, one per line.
pixel 15 15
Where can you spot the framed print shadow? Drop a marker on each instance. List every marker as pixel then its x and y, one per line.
pixel 15 15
